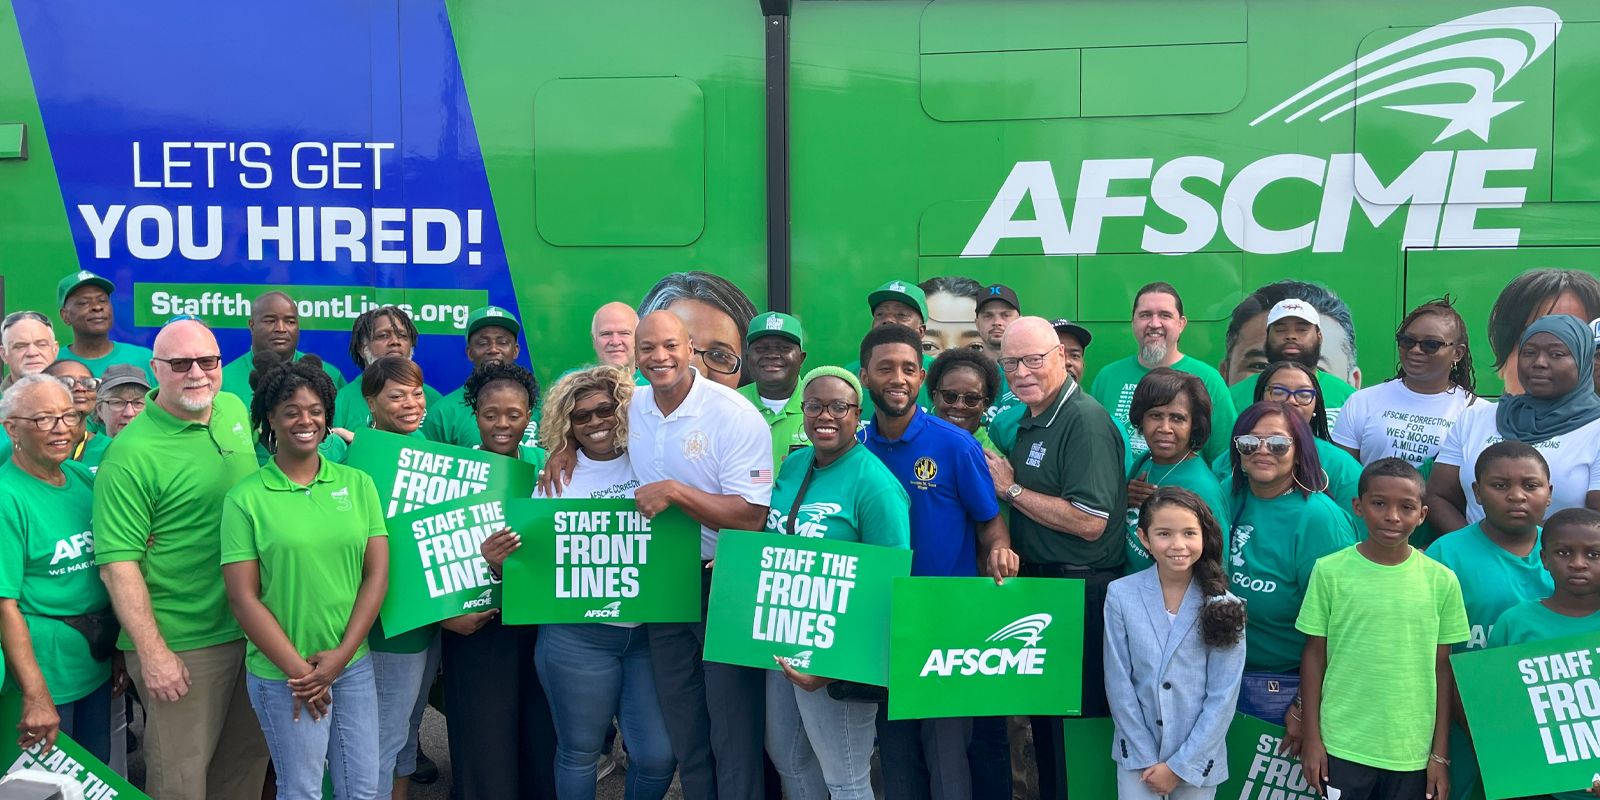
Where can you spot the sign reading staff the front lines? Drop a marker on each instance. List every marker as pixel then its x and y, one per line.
pixel 964 647
pixel 413 473
pixel 600 561
pixel 821 605
pixel 1256 770
pixel 1536 706
pixel 66 758
pixel 435 568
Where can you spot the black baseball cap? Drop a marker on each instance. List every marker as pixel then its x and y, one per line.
pixel 1078 331
pixel 1002 292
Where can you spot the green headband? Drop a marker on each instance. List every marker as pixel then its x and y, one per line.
pixel 833 372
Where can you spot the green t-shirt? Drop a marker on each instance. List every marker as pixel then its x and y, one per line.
pixel 1344 477
pixel 47 566
pixel 452 422
pixel 93 451
pixel 5 446
pixel 350 407
pixel 158 501
pixel 310 543
pixel 1191 474
pixel 121 353
pixel 1384 625
pixel 1492 580
pixel 787 424
pixel 1003 425
pixel 1114 386
pixel 1272 548
pixel 236 376
pixel 923 402
pixel 1334 392
pixel 854 499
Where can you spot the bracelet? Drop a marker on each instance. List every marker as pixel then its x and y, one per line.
pixel 1295 702
pixel 1297 717
pixel 1438 758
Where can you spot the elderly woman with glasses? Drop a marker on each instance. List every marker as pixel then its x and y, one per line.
pixel 55 619
pixel 1296 386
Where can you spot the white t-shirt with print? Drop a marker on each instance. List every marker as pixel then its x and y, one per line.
pixel 1390 420
pixel 1574 458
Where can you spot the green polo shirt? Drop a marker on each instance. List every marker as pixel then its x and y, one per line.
pixel 787 424
pixel 350 407
pixel 1114 386
pixel 452 422
pixel 310 543
pixel 158 501
pixel 121 353
pixel 236 376
pixel 923 402
pixel 1072 451
pixel 1002 427
pixel 854 499
pixel 1334 392
pixel 332 448
pixel 93 451
pixel 47 566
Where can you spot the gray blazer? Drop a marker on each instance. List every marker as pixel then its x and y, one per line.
pixel 1172 698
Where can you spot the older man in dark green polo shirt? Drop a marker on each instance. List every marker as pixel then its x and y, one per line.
pixel 775 346
pixel 158 541
pixel 274 326
pixel 1064 481
pixel 491 336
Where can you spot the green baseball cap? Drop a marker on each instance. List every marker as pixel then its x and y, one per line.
pixel 492 315
pixel 70 284
pixel 904 291
pixel 774 323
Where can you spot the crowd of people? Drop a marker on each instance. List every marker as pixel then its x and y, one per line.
pixel 1250 535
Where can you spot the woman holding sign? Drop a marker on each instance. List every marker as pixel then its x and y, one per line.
pixel 592 672
pixel 305 557
pixel 506 744
pixel 834 489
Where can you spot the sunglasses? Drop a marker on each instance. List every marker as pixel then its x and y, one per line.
pixel 968 400
pixel 182 365
pixel 606 411
pixel 1247 445
pixel 1429 346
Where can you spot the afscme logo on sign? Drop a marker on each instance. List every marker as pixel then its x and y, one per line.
pixel 1028 660
pixel 1443 189
pixel 612 609
pixel 481 600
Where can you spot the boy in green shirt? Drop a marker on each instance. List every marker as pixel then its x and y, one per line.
pixel 1375 680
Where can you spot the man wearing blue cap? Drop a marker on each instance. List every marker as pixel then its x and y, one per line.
pixel 775 348
pixel 274 325
pixel 85 302
pixel 491 336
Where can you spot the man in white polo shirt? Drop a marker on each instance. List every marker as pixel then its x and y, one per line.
pixel 698 445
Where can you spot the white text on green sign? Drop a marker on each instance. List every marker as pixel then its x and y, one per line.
pixel 795 606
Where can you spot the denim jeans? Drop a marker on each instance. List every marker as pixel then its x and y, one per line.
pixel 87 720
pixel 346 737
pixel 592 672
pixel 398 677
pixel 822 747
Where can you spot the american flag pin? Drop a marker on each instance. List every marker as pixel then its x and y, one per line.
pixel 761 476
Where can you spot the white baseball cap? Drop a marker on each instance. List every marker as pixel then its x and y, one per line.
pixel 1294 308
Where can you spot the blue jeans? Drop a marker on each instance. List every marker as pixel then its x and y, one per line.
pixel 1268 695
pixel 591 673
pixel 822 747
pixel 87 721
pixel 398 677
pixel 346 737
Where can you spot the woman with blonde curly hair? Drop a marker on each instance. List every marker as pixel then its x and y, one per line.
pixel 592 671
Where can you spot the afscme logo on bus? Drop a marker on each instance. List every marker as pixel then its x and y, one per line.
pixel 1444 189
pixel 1028 660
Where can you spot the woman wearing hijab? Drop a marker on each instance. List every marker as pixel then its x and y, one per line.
pixel 1559 415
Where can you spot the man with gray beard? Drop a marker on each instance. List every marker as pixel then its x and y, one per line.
pixel 378 332
pixel 1158 324
pixel 158 543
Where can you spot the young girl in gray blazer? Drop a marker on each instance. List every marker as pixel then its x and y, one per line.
pixel 1174 655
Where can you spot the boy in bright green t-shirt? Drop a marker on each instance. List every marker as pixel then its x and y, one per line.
pixel 1380 618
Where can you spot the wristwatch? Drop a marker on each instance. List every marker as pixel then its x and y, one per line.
pixel 1014 492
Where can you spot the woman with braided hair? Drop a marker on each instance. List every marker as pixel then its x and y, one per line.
pixel 305 559
pixel 378 332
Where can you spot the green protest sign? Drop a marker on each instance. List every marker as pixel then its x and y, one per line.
pixel 822 605
pixel 1536 707
pixel 435 569
pixel 412 472
pixel 66 758
pixel 600 561
pixel 1255 769
pixel 964 647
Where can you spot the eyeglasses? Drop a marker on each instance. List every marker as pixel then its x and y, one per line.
pixel 182 365
pixel 836 409
pixel 1429 346
pixel 1247 445
pixel 720 361
pixel 606 411
pixel 45 423
pixel 90 383
pixel 1034 361
pixel 42 345
pixel 968 400
pixel 117 406
pixel 1283 394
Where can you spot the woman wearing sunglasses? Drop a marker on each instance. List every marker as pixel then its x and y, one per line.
pixel 1559 415
pixel 1281 523
pixel 1296 386
pixel 1173 412
pixel 834 489
pixel 88 445
pixel 965 382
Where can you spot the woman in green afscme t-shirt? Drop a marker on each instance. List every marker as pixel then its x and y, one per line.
pixel 305 559
pixel 834 489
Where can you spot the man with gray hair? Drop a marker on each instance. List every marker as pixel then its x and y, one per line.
pixel 30 345
pixel 158 541
pixel 612 332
